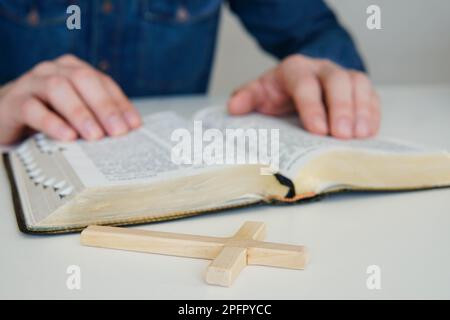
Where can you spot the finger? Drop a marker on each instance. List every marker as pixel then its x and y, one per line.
pixel 364 112
pixel 62 97
pixel 89 86
pixel 376 112
pixel 45 68
pixel 277 110
pixel 36 115
pixel 246 99
pixel 11 123
pixel 304 88
pixel 70 60
pixel 337 86
pixel 275 101
pixel 130 113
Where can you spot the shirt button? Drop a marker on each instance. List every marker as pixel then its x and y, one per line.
pixel 33 18
pixel 182 14
pixel 107 7
pixel 103 65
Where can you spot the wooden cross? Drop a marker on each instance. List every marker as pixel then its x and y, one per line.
pixel 229 255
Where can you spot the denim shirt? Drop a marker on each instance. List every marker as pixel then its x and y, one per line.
pixel 158 47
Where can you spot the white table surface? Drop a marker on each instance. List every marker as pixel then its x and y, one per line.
pixel 406 234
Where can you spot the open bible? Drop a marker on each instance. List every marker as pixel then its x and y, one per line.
pixel 148 175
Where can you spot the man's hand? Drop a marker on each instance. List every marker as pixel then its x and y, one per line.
pixel 65 98
pixel 328 98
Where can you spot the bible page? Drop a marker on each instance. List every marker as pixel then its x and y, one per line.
pixel 297 146
pixel 141 156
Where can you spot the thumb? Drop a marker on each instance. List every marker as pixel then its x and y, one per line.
pixel 246 99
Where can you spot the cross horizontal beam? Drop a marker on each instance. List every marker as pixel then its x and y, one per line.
pixel 246 245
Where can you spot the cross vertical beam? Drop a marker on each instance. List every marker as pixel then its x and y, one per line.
pixel 230 254
pixel 225 268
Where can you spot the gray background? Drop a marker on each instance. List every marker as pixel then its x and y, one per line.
pixel 413 46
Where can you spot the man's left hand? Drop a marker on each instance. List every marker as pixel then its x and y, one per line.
pixel 328 98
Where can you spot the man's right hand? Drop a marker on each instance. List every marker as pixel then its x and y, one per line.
pixel 65 98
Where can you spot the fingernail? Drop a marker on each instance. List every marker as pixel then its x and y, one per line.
pixel 91 130
pixel 239 104
pixel 320 125
pixel 65 133
pixel 133 119
pixel 116 125
pixel 362 128
pixel 344 128
pixel 232 105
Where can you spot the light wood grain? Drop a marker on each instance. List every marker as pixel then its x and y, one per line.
pixel 167 243
pixel 226 267
pixel 229 254
pixel 251 230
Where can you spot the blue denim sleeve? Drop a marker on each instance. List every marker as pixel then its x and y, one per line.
pixel 308 27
